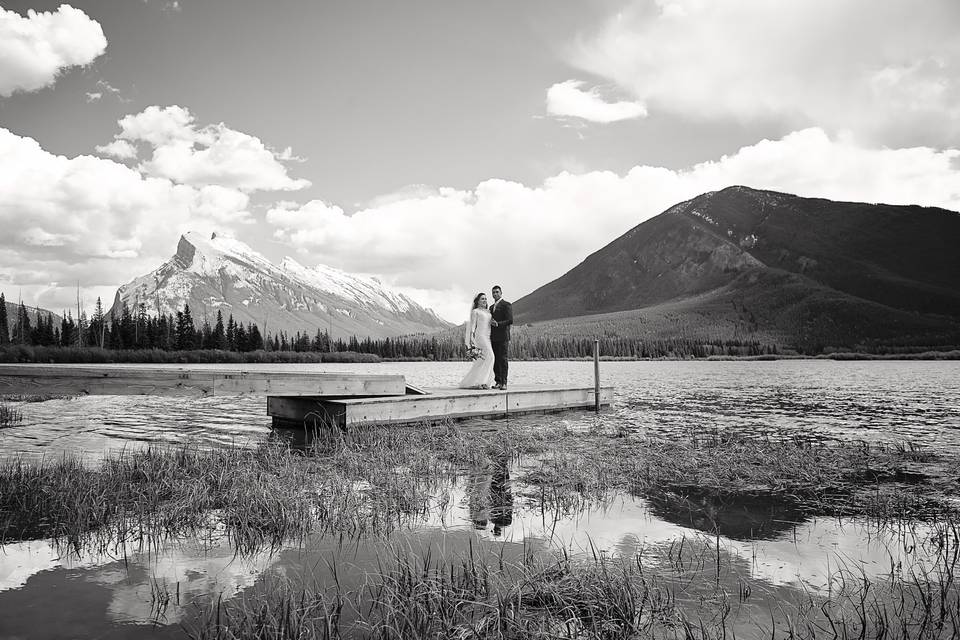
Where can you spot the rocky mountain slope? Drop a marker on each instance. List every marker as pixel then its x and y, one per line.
pixel 809 271
pixel 224 274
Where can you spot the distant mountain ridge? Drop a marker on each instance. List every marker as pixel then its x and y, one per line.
pixel 804 269
pixel 224 274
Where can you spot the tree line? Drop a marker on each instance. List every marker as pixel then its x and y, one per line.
pixel 135 329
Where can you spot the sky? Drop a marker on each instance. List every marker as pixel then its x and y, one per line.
pixel 445 146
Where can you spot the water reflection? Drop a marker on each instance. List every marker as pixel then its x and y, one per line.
pixel 490 499
pixel 736 516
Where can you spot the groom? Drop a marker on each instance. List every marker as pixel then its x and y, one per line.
pixel 502 314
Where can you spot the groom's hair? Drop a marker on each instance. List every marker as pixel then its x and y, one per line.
pixel 496 286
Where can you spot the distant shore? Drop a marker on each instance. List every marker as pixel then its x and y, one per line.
pixel 97 355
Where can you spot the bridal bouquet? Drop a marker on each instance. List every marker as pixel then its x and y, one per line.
pixel 474 353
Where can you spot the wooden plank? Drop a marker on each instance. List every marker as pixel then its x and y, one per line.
pixel 550 399
pixel 187 381
pixel 416 408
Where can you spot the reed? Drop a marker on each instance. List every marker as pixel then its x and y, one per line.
pixel 9 415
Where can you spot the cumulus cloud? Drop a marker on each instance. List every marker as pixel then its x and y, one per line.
pixel 186 153
pixel 121 149
pixel 95 220
pixel 568 99
pixel 35 49
pixel 448 243
pixel 887 71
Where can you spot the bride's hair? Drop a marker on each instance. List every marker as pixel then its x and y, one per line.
pixel 476 300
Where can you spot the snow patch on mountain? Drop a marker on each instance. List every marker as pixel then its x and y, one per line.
pixel 364 290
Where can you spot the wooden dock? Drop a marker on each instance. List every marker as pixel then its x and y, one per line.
pixel 66 379
pixel 433 405
pixel 297 398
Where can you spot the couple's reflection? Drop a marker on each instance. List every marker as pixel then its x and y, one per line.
pixel 490 498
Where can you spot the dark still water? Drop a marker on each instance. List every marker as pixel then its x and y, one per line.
pixel 912 401
pixel 155 592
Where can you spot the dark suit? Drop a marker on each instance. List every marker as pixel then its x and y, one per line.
pixel 502 312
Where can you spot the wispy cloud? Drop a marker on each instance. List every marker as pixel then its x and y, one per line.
pixel 569 100
pixel 36 48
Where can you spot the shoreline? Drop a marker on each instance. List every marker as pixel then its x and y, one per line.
pixel 71 355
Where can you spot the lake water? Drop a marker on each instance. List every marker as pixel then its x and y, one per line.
pixel 47 593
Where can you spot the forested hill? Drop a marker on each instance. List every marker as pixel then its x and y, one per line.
pixel 11 318
pixel 745 264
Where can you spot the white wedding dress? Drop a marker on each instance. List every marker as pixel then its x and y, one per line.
pixel 478 335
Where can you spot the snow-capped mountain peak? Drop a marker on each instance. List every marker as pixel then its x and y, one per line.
pixel 217 272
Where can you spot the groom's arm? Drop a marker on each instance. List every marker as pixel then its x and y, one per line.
pixel 507 316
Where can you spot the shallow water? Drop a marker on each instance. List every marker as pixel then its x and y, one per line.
pixel 898 401
pixel 45 592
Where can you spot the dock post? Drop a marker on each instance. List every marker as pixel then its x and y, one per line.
pixel 596 374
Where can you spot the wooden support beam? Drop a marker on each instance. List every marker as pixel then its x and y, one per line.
pixel 17 379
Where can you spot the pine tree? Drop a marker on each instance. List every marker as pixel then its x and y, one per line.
pixel 218 339
pixel 240 339
pixel 254 339
pixel 66 329
pixel 206 336
pixel 4 327
pixel 127 336
pixel 231 334
pixel 140 327
pixel 22 331
pixel 97 326
pixel 186 332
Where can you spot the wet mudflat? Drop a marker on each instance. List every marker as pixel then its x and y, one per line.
pixel 630 524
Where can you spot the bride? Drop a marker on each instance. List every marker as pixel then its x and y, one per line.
pixel 480 375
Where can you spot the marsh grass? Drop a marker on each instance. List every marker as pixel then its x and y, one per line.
pixel 9 415
pixel 260 498
pixel 850 478
pixel 35 397
pixel 374 479
pixel 368 481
